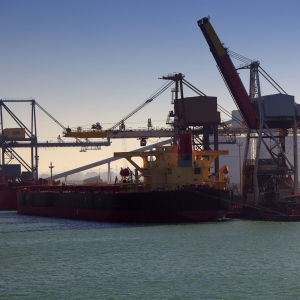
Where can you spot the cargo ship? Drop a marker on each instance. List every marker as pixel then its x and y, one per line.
pixel 177 186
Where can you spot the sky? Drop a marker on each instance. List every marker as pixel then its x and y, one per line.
pixel 95 61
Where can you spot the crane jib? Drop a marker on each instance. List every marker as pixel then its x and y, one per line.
pixel 229 73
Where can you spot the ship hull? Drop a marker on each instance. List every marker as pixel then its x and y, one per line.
pixel 8 192
pixel 8 199
pixel 144 207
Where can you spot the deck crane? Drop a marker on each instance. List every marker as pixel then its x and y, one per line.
pixel 266 117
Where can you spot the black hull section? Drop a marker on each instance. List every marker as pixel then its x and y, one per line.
pixel 147 207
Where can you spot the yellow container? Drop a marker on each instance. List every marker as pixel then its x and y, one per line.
pixel 14 133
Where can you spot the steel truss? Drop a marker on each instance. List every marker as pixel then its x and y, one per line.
pixel 10 144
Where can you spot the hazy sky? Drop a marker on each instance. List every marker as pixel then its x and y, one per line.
pixel 95 61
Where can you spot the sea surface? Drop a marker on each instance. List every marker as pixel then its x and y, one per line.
pixel 44 258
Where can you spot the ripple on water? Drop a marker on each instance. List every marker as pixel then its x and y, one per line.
pixel 68 259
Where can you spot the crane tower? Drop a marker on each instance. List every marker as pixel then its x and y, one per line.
pixel 269 117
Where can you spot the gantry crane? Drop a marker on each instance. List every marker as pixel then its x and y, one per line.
pixel 22 136
pixel 118 129
pixel 267 117
pixel 188 114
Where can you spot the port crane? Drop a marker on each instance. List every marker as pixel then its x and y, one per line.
pixel 23 136
pixel 118 130
pixel 267 117
pixel 27 135
pixel 188 114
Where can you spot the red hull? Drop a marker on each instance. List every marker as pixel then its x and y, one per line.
pixel 8 192
pixel 8 199
pixel 124 216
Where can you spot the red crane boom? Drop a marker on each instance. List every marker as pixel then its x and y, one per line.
pixel 229 73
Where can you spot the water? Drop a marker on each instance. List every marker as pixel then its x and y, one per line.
pixel 43 258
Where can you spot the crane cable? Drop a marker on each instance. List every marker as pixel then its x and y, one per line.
pixel 240 57
pixel 62 126
pixel 272 80
pixel 149 100
pixel 246 60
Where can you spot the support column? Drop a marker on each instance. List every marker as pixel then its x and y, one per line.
pixel 295 158
pixel 246 152
pixel 216 147
pixel 108 172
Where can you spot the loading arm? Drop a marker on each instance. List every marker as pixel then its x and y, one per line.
pixel 229 73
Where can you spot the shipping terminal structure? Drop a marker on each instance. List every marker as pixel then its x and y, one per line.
pixel 23 136
pixel 269 187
